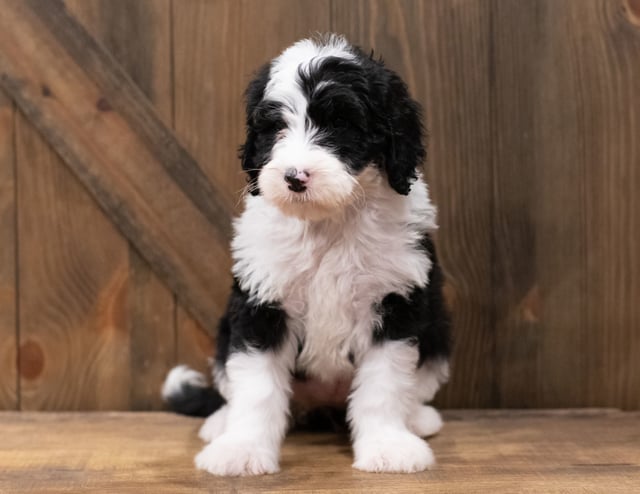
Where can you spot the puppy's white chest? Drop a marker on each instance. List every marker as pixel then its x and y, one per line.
pixel 329 276
pixel 332 308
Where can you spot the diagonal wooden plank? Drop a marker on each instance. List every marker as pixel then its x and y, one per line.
pixel 73 285
pixel 126 98
pixel 106 131
pixel 138 35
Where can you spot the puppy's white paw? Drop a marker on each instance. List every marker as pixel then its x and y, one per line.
pixel 214 426
pixel 425 421
pixel 395 451
pixel 228 455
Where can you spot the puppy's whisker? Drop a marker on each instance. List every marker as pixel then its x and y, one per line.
pixel 242 193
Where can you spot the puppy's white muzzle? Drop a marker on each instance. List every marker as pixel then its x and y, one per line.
pixel 307 182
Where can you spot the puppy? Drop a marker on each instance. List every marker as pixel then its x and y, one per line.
pixel 336 280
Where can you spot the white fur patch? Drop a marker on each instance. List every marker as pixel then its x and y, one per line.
pixel 283 77
pixel 329 274
pixel 180 376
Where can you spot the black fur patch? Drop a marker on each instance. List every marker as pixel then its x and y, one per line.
pixel 421 317
pixel 197 401
pixel 263 122
pixel 249 325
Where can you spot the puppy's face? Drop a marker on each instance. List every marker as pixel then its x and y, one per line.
pixel 317 116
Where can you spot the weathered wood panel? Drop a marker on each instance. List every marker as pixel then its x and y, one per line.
pixel 8 319
pixel 73 270
pixel 539 220
pixel 521 255
pixel 100 130
pixel 532 111
pixel 218 45
pixel 450 78
pixel 605 80
pixel 565 235
pixel 138 35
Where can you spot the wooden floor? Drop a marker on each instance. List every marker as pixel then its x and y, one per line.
pixel 478 451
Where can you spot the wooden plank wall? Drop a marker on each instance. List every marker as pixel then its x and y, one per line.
pixel 8 279
pixel 534 156
pixel 138 35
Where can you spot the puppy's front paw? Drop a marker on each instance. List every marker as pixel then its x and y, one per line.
pixel 227 455
pixel 425 421
pixel 213 427
pixel 393 451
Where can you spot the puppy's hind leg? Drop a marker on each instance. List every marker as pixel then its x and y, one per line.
pixel 424 420
pixel 215 425
pixel 383 397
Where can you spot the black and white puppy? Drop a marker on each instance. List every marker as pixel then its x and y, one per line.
pixel 336 277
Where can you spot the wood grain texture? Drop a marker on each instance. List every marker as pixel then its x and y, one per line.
pixel 8 297
pixel 604 55
pixel 138 36
pixel 522 256
pixel 565 165
pixel 532 111
pixel 195 346
pixel 73 270
pixel 218 45
pixel 99 144
pixel 420 40
pixel 524 452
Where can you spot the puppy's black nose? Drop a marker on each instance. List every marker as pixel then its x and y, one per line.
pixel 297 180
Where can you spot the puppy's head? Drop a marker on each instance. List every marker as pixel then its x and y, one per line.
pixel 317 116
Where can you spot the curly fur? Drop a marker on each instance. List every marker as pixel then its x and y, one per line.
pixel 336 274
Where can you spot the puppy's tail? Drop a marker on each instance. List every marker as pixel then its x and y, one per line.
pixel 186 391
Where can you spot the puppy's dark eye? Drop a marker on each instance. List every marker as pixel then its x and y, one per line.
pixel 338 113
pixel 268 123
pixel 351 121
pixel 342 123
pixel 268 118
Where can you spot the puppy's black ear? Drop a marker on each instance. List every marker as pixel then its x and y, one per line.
pixel 248 151
pixel 404 150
